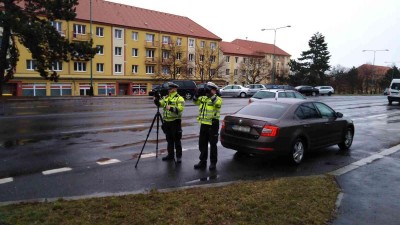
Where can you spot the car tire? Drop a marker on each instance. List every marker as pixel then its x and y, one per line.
pixel 348 140
pixel 390 102
pixel 330 93
pixel 243 95
pixel 188 96
pixel 297 151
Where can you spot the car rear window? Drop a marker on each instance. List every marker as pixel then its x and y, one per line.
pixel 264 94
pixel 267 110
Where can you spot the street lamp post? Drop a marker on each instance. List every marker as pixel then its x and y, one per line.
pixel 373 62
pixel 91 61
pixel 273 56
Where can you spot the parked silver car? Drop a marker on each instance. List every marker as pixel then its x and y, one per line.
pixel 275 94
pixel 234 91
pixel 253 88
pixel 325 90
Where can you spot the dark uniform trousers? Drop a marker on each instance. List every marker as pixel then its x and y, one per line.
pixel 173 133
pixel 209 134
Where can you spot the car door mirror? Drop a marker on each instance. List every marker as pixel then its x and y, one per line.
pixel 339 115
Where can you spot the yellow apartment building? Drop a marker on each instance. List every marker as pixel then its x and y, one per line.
pixel 134 48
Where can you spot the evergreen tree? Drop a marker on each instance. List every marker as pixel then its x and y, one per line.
pixel 313 63
pixel 29 23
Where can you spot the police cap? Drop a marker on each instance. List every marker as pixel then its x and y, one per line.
pixel 212 85
pixel 172 85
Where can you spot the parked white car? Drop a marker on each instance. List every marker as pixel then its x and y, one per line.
pixel 394 91
pixel 253 88
pixel 275 94
pixel 325 90
pixel 234 91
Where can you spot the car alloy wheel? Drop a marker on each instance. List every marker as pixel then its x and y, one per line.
pixel 313 93
pixel 297 153
pixel 188 96
pixel 242 95
pixel 348 140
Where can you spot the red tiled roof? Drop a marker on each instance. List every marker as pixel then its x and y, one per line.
pixel 367 69
pixel 230 48
pixel 259 47
pixel 134 17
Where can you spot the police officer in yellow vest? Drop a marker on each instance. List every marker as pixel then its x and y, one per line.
pixel 209 112
pixel 173 105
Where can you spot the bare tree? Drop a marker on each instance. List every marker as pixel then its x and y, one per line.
pixel 255 70
pixel 172 64
pixel 205 62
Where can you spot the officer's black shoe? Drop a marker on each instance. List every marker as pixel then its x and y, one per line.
pixel 168 158
pixel 213 166
pixel 178 160
pixel 201 165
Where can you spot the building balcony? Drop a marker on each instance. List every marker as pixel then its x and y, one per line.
pixel 151 60
pixel 167 45
pixel 151 44
pixel 80 37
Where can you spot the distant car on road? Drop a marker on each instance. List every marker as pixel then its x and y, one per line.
pixel 234 91
pixel 386 91
pixel 289 127
pixel 325 90
pixel 254 88
pixel 275 94
pixel 394 91
pixel 307 90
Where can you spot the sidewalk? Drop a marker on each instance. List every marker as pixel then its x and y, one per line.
pixel 371 193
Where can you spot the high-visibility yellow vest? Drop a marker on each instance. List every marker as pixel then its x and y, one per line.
pixel 208 109
pixel 177 104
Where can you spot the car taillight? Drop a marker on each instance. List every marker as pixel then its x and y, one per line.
pixel 270 131
pixel 223 125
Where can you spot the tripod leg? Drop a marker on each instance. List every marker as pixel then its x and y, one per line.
pixel 148 134
pixel 158 128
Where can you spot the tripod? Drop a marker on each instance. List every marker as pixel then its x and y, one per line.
pixel 158 118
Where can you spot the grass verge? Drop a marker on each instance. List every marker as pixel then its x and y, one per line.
pixel 298 200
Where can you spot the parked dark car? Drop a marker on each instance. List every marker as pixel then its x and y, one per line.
pixel 186 89
pixel 307 90
pixel 288 127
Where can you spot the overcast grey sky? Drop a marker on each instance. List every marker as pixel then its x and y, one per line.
pixel 349 26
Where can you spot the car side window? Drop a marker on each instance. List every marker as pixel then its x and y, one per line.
pixel 227 87
pixel 307 111
pixel 324 110
pixel 281 95
pixel 290 95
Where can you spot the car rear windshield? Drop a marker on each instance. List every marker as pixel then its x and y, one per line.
pixel 267 110
pixel 264 94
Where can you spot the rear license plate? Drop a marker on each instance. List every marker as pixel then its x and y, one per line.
pixel 241 128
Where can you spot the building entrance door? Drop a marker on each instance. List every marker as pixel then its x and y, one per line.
pixel 123 89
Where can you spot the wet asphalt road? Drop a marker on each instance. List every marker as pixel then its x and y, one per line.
pixel 80 134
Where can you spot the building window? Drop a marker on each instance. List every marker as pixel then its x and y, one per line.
pixel 244 60
pixel 106 89
pixel 212 45
pixel 150 37
pixel 212 58
pixel 179 41
pixel 135 35
pixel 79 29
pixel 34 89
pixel 30 64
pixel 165 70
pixel 99 31
pixel 165 54
pixel 178 70
pixel 201 72
pixel 235 72
pixel 60 89
pixel 191 43
pixel 135 69
pixel 135 52
pixel 165 39
pixel 212 72
pixel 202 44
pixel 149 53
pixel 178 56
pixel 236 59
pixel 118 51
pixel 58 26
pixel 57 66
pixel 100 49
pixel 149 69
pixel 139 89
pixel 118 33
pixel 100 67
pixel 191 57
pixel 201 58
pixel 80 66
pixel 243 72
pixel 190 71
pixel 84 89
pixel 227 58
pixel 227 71
pixel 118 68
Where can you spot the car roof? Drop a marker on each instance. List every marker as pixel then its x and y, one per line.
pixel 290 101
pixel 277 90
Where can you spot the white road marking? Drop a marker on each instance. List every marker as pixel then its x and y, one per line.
pixel 110 161
pixel 6 180
pixel 365 161
pixel 148 155
pixel 59 170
